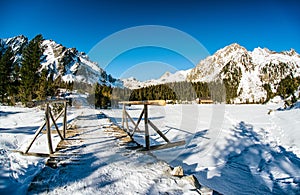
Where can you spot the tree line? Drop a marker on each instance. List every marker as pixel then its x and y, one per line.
pixel 225 91
pixel 285 89
pixel 107 96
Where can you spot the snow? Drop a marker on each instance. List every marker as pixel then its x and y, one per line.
pixel 14 42
pixel 252 149
pixel 233 149
pixel 17 126
pixel 106 168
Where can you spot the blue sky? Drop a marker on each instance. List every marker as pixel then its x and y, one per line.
pixel 215 24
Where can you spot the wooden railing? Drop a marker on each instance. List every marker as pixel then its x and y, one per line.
pixel 48 118
pixel 126 116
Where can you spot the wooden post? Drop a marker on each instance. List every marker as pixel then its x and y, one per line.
pixel 48 129
pixel 123 116
pixel 126 122
pixel 65 120
pixel 147 138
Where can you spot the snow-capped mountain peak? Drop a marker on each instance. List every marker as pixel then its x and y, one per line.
pixel 249 70
pixel 67 63
pixel 167 77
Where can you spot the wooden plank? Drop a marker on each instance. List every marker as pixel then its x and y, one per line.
pixel 35 136
pixel 126 122
pixel 158 131
pixel 165 146
pixel 145 102
pixel 32 153
pixel 147 138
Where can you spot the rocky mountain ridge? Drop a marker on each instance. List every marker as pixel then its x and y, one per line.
pixel 67 63
pixel 247 72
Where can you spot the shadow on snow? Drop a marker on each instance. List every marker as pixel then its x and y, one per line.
pixel 265 168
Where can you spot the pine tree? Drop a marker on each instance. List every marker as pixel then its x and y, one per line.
pixel 29 71
pixel 42 85
pixel 6 68
pixel 14 87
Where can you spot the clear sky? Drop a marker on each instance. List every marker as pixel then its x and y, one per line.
pixel 83 23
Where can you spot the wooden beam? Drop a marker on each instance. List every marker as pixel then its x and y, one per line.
pixel 126 122
pixel 166 146
pixel 35 136
pixel 158 131
pixel 145 102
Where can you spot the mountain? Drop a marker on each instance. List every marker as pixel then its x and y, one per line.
pixel 249 76
pixel 244 73
pixel 67 63
pixel 247 71
pixel 167 77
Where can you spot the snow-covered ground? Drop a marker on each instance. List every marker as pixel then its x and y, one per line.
pixel 233 149
pixel 17 127
pixel 248 152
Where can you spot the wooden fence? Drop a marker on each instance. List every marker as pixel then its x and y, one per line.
pixel 126 116
pixel 48 118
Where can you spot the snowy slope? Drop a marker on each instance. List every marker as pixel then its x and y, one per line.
pixel 16 43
